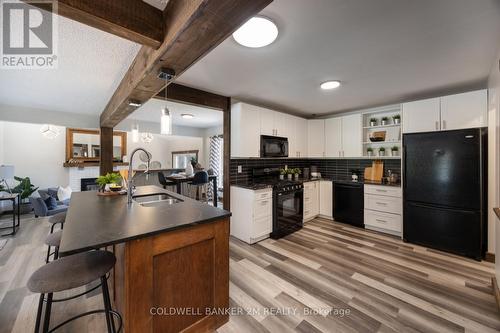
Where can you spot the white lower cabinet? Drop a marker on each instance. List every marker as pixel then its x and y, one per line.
pixel 252 218
pixel 326 198
pixel 383 209
pixel 311 200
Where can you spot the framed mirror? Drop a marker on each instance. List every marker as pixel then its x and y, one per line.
pixel 84 145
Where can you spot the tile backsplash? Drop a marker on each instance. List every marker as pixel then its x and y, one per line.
pixel 329 168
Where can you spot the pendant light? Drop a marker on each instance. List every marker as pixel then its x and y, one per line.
pixel 166 116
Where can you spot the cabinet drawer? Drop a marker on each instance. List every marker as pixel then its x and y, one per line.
pixel 261 195
pixel 383 203
pixel 383 220
pixel 262 226
pixel 262 208
pixel 383 190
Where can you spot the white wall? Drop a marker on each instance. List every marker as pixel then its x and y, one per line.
pixel 33 155
pixel 494 166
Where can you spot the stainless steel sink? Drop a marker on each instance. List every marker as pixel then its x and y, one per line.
pixel 157 199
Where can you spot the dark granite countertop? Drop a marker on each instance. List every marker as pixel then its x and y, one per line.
pixel 252 186
pixel 96 221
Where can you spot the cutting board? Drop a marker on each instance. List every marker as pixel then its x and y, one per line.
pixel 375 172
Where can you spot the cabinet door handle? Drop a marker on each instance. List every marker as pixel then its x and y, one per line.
pixel 437 125
pixel 379 190
pixel 444 125
pixel 264 202
pixel 381 203
pixel 381 221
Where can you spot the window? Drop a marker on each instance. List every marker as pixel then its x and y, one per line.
pixel 180 159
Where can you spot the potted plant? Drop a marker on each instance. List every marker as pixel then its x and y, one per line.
pixel 384 121
pixel 25 190
pixel 381 151
pixel 369 151
pixel 373 122
pixel 297 173
pixel 396 118
pixel 282 174
pixel 106 181
pixel 290 173
pixel 395 151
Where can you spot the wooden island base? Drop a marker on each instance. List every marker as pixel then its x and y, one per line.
pixel 174 281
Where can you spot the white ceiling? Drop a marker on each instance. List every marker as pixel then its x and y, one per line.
pixel 383 51
pixel 203 117
pixel 91 65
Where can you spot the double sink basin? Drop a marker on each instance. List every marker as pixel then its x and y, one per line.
pixel 155 200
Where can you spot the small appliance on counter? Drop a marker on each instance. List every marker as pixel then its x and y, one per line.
pixel 314 172
pixel 306 173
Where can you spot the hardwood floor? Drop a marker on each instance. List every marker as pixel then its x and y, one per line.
pixel 327 277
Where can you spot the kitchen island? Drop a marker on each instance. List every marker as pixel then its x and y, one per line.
pixel 172 269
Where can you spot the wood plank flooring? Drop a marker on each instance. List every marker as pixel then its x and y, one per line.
pixel 327 277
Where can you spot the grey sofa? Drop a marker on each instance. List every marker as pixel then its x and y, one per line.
pixel 40 207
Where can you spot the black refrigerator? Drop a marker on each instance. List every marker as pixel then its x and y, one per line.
pixel 445 190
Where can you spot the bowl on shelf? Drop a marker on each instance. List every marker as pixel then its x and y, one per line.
pixel 377 136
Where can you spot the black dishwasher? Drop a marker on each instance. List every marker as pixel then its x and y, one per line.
pixel 349 203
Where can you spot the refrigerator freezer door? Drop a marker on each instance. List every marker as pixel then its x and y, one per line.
pixel 453 230
pixel 443 168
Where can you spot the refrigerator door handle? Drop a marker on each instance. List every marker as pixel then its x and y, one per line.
pixel 453 209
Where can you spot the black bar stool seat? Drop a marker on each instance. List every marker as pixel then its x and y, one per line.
pixel 71 272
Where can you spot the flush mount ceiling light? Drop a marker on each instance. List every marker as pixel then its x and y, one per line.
pixel 187 116
pixel 257 32
pixel 49 131
pixel 147 137
pixel 330 85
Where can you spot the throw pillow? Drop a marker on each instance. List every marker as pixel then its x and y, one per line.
pixel 51 203
pixel 64 193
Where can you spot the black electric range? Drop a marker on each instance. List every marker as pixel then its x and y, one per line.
pixel 288 201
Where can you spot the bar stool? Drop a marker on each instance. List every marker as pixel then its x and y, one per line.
pixel 198 186
pixel 164 182
pixel 55 219
pixel 72 272
pixel 53 240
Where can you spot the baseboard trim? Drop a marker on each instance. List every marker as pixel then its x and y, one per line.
pixel 496 291
pixel 489 257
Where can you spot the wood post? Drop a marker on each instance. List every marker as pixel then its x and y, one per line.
pixel 106 156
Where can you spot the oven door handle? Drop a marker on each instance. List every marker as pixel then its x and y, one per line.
pixel 291 192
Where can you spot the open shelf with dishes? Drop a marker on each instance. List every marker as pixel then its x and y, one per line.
pixel 382 133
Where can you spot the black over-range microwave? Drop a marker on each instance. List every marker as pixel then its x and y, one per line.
pixel 273 146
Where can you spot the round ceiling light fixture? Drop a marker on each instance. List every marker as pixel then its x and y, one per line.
pixel 256 32
pixel 330 85
pixel 187 116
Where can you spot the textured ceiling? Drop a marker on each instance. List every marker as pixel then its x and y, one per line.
pixel 91 65
pixel 203 117
pixel 383 51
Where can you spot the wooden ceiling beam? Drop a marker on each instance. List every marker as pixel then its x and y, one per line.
pixel 134 20
pixel 187 95
pixel 193 28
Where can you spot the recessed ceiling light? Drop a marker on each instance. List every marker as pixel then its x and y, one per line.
pixel 257 32
pixel 187 116
pixel 330 85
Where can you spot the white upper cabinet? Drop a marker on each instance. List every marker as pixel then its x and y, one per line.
pixel 333 137
pixel 421 116
pixel 352 135
pixel 343 136
pixel 316 138
pixel 466 110
pixel 274 123
pixel 245 130
pixel 297 139
pixel 267 122
pixel 451 112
